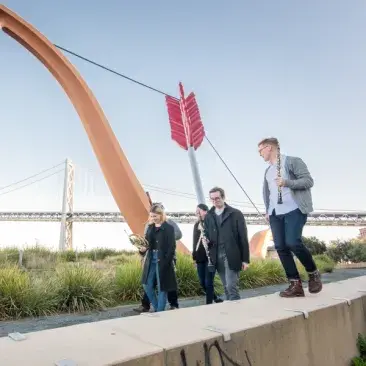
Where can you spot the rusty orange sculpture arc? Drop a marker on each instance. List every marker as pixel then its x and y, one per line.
pixel 123 183
pixel 121 179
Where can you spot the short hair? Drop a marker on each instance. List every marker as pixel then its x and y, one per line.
pixel 269 141
pixel 218 189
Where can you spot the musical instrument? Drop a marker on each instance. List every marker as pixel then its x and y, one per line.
pixel 138 241
pixel 279 199
pixel 203 239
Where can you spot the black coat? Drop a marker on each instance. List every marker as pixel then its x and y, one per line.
pixel 234 232
pixel 166 245
pixel 198 251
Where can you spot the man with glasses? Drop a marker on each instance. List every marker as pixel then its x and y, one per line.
pixel 228 243
pixel 288 218
pixel 172 295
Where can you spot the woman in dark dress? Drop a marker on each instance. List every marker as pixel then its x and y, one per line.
pixel 159 260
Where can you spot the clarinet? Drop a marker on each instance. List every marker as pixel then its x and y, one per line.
pixel 279 199
pixel 203 239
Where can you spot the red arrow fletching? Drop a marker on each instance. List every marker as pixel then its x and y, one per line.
pixel 176 123
pixel 186 130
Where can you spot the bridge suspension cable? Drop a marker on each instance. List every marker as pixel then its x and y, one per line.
pixel 31 176
pixel 33 182
pixel 162 93
pixel 245 204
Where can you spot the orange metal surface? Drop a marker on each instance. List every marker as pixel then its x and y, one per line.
pixel 259 243
pixel 121 179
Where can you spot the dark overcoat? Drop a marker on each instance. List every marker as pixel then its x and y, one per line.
pixel 166 246
pixel 234 233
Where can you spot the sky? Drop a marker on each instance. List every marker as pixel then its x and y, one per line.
pixel 290 69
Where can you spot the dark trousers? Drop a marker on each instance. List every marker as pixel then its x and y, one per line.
pixel 287 233
pixel 207 281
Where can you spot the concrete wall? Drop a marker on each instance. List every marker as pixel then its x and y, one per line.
pixel 267 330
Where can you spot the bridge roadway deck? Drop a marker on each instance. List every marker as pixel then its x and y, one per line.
pixel 314 219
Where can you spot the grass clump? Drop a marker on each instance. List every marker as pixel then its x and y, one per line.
pixel 128 287
pixel 21 297
pixel 82 288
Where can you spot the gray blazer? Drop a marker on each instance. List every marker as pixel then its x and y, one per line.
pixel 300 182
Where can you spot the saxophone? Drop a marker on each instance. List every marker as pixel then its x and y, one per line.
pixel 203 239
pixel 279 198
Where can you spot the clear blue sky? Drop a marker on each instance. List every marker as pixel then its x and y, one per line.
pixel 295 70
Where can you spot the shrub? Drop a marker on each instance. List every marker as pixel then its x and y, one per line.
pixel 68 256
pixel 82 288
pixel 353 251
pixel 357 252
pixel 361 346
pixel 98 253
pixel 338 250
pixel 187 278
pixel 19 297
pixel 314 245
pixel 128 286
pixel 324 263
pixel 262 272
pixel 9 256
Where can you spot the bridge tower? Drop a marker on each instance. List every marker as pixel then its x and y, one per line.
pixel 67 207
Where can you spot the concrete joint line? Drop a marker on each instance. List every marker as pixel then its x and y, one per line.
pixel 226 335
pixel 343 298
pixel 304 312
pixel 361 290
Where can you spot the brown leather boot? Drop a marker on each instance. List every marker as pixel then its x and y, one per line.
pixel 294 290
pixel 315 282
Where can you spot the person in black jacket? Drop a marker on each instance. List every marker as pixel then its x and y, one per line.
pixel 199 255
pixel 228 243
pixel 159 259
pixel 172 295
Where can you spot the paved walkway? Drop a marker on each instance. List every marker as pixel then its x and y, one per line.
pixel 32 325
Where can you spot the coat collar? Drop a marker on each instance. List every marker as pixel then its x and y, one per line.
pixel 227 209
pixel 163 225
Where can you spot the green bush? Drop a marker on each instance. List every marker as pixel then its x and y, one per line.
pixel 20 297
pixel 361 346
pixel 314 245
pixel 82 288
pixel 353 251
pixel 262 273
pixel 357 252
pixel 128 286
pixel 324 263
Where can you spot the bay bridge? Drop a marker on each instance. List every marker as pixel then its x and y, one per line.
pixel 67 215
pixel 314 219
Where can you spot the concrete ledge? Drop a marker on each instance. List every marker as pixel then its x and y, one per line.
pixel 268 330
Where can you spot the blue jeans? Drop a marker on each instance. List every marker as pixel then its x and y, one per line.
pixel 159 302
pixel 287 236
pixel 207 281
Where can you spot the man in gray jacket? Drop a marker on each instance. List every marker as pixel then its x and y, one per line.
pixel 288 218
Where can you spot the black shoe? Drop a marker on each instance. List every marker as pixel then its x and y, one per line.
pixel 218 300
pixel 141 309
